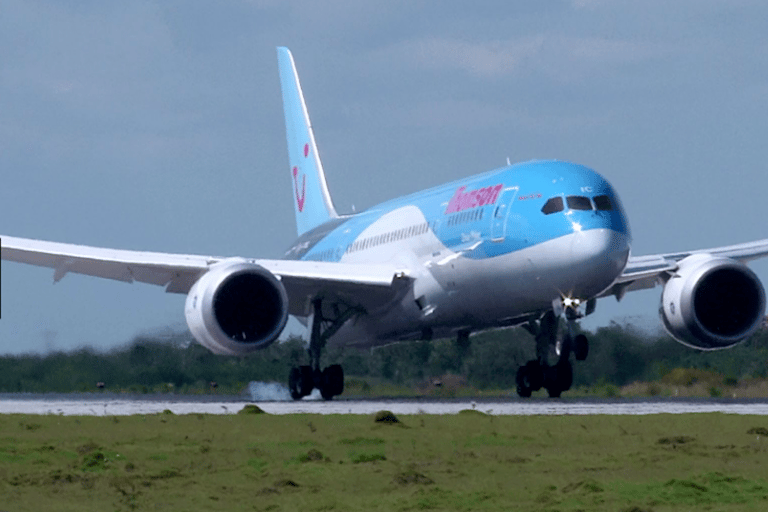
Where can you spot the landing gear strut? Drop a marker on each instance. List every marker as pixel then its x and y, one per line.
pixel 539 373
pixel 303 379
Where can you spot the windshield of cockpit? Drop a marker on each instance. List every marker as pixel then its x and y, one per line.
pixel 558 203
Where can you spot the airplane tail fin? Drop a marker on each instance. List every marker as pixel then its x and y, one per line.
pixel 312 201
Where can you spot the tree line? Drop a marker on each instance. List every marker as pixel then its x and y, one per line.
pixel 618 355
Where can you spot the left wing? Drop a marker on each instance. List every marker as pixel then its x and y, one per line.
pixel 178 272
pixel 643 272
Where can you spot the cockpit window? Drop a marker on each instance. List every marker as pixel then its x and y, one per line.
pixel 578 203
pixel 603 203
pixel 553 205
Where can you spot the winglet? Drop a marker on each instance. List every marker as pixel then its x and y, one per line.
pixel 312 201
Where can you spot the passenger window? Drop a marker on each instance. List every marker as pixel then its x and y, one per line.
pixel 603 203
pixel 553 205
pixel 578 203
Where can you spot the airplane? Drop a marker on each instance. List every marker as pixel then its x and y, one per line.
pixel 533 244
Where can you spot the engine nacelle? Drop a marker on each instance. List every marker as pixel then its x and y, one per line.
pixel 712 302
pixel 236 308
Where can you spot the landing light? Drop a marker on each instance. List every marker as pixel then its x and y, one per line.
pixel 569 302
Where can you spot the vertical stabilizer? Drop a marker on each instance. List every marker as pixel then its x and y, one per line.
pixel 311 199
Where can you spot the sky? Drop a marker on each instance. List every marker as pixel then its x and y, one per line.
pixel 158 126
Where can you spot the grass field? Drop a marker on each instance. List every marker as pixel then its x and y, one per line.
pixel 468 461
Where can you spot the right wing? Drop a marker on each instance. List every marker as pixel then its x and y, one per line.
pixel 643 272
pixel 364 285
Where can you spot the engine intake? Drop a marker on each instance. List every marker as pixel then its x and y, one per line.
pixel 712 302
pixel 236 307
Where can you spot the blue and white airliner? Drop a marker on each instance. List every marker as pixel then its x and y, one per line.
pixel 532 244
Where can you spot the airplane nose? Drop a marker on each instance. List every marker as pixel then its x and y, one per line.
pixel 598 257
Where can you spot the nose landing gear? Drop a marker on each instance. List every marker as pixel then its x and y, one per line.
pixel 539 373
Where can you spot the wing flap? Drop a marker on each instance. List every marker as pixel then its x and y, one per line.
pixel 368 286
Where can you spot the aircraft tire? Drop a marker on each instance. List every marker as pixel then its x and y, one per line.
pixel 294 383
pixel 554 391
pixel 307 382
pixel 524 388
pixel 300 382
pixel 535 374
pixel 551 382
pixel 558 378
pixel 564 375
pixel 332 382
pixel 580 347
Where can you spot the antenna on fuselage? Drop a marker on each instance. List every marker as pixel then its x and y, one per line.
pixel 508 162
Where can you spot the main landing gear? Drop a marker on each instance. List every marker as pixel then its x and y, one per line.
pixel 539 373
pixel 330 381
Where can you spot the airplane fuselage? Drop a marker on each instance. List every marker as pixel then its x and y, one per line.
pixel 485 251
pixel 529 244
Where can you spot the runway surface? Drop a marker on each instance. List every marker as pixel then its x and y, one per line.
pixel 117 405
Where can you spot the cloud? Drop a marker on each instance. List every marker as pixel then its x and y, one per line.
pixel 501 58
pixel 589 4
pixel 484 59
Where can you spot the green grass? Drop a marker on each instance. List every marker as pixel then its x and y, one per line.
pixel 343 462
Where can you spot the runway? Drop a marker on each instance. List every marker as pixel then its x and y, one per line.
pixel 116 405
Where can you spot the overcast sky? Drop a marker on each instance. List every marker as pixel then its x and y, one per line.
pixel 158 126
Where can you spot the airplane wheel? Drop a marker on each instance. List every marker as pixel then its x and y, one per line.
pixel 523 382
pixel 535 374
pixel 580 347
pixel 564 375
pixel 332 382
pixel 300 382
pixel 294 383
pixel 551 382
pixel 307 382
pixel 530 377
pixel 558 378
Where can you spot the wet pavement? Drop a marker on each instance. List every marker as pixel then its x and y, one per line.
pixel 120 405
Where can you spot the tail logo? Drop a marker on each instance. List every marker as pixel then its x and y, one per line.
pixel 300 198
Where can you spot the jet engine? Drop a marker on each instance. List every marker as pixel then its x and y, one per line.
pixel 712 302
pixel 236 307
